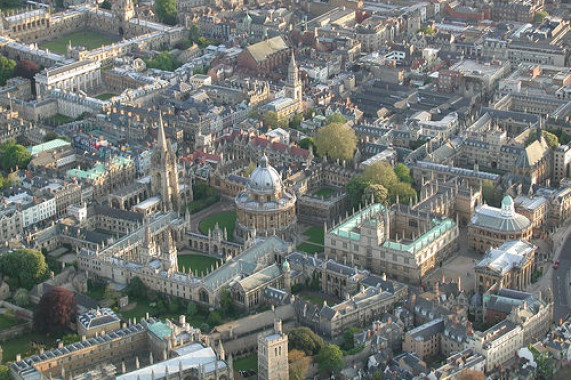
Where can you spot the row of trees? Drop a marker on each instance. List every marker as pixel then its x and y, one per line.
pixel 383 184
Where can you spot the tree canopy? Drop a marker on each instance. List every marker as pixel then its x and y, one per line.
pixel 336 118
pixel 24 268
pixel 55 311
pixel 14 155
pixel 330 359
pixel 137 289
pixel 356 189
pixel 403 172
pixel 298 365
pixel 26 69
pixel 336 141
pixel 550 138
pixel 490 195
pixel 303 339
pixel 378 193
pixel 4 372
pixel 7 67
pixel 306 142
pixel 381 173
pixel 166 11
pixel 383 182
pixel 163 61
pixel 539 16
pixel 271 120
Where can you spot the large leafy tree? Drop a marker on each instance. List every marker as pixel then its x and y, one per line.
pixel 403 173
pixel 26 68
pixel 305 340
pixel 24 268
pixel 403 191
pixel 376 193
pixel 298 365
pixel 356 189
pixel 381 173
pixel 14 155
pixel 336 141
pixel 166 11
pixel 163 61
pixel 330 359
pixel 7 66
pixel 490 194
pixel 137 289
pixel 336 118
pixel 4 373
pixel 55 311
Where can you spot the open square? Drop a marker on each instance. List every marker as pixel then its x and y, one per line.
pixel 225 219
pixel 88 38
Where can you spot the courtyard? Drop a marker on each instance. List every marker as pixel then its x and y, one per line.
pixel 88 38
pixel 312 240
pixel 224 219
pixel 197 263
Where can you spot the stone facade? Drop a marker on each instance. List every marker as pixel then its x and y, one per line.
pixel 273 354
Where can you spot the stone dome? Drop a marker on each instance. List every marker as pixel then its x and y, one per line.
pixel 503 220
pixel 265 179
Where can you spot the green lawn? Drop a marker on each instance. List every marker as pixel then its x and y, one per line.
pixel 7 321
pixel 87 38
pixel 309 248
pixel 58 119
pixel 247 362
pixel 313 298
pixel 105 96
pixel 139 311
pixel 21 344
pixel 95 291
pixel 325 192
pixel 315 235
pixel 198 263
pixel 224 219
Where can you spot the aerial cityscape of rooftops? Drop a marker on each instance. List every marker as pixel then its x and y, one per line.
pixel 285 190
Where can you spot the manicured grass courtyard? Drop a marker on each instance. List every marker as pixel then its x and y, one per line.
pixel 309 248
pixel 325 192
pixel 7 321
pixel 20 345
pixel 246 363
pixel 312 298
pixel 198 263
pixel 105 96
pixel 224 219
pixel 87 38
pixel 315 235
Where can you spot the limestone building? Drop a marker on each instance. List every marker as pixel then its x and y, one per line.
pixel 76 76
pixel 491 227
pixel 403 243
pixel 265 208
pixel 510 266
pixel 273 354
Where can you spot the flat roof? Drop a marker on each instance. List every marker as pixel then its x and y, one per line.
pixel 47 146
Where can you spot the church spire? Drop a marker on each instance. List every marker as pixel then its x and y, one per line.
pixel 161 136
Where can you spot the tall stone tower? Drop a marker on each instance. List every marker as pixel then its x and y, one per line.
pixel 273 354
pixel 164 172
pixel 293 84
pixel 124 10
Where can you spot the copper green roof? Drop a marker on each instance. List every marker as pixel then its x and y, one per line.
pixel 47 146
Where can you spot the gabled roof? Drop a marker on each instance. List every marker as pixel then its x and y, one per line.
pixel 262 50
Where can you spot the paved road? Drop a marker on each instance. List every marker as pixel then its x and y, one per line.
pixel 561 281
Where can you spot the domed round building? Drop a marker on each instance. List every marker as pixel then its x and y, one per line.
pixel 491 227
pixel 265 208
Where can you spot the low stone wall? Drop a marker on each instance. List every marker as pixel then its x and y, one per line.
pixel 15 331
